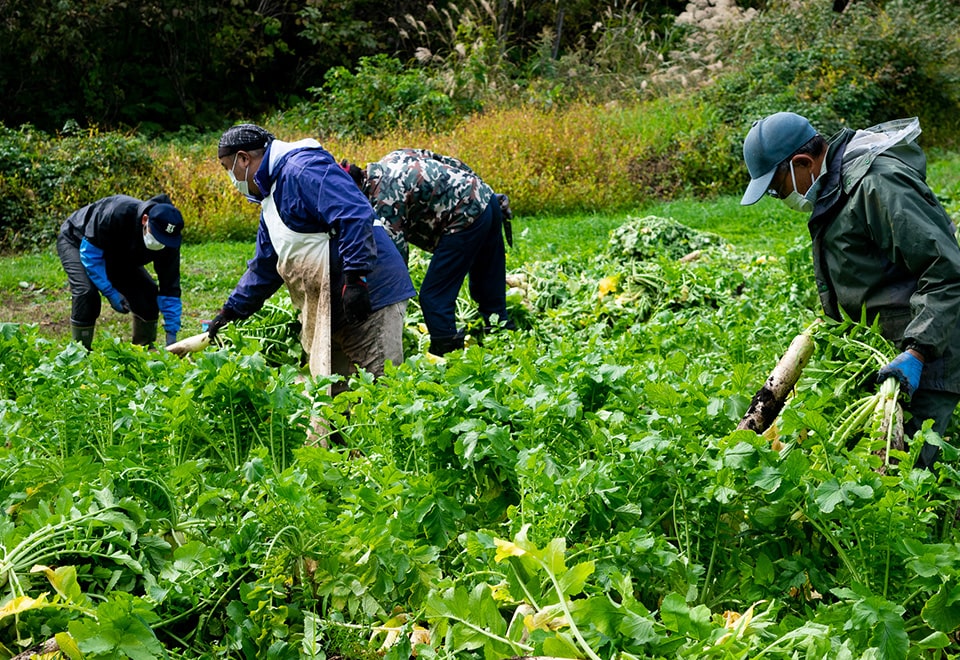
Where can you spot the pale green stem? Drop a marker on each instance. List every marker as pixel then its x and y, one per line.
pixel 566 610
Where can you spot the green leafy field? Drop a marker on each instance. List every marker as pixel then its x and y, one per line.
pixel 576 488
pixel 573 489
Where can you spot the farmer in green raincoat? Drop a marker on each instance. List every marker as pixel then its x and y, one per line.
pixel 881 243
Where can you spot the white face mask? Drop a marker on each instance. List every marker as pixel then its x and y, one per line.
pixel 239 184
pixel 798 202
pixel 149 240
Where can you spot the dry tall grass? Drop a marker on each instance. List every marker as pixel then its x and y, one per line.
pixel 582 158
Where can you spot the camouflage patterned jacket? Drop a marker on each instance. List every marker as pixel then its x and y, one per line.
pixel 421 195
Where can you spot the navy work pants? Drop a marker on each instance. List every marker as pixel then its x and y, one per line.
pixel 476 251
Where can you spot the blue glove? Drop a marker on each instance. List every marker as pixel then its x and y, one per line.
pixel 171 338
pixel 95 264
pixel 905 368
pixel 172 308
pixel 118 302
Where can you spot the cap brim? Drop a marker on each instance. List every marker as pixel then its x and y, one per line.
pixel 757 188
pixel 169 241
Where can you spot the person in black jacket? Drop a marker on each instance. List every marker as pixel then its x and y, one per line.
pixel 104 247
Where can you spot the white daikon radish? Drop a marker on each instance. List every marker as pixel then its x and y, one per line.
pixel 190 344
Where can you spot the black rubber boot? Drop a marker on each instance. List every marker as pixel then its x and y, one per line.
pixel 927 457
pixel 441 345
pixel 83 334
pixel 144 332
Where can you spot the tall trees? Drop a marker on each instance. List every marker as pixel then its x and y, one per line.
pixel 162 62
pixel 165 63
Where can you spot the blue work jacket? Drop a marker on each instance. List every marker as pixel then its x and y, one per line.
pixel 313 194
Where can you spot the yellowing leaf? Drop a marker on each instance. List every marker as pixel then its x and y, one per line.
pixel 729 618
pixel 773 433
pixel 396 620
pixel 608 285
pixel 507 549
pixel 546 619
pixel 501 592
pixel 64 580
pixel 68 646
pixel 419 635
pixel 434 359
pixel 736 623
pixel 23 604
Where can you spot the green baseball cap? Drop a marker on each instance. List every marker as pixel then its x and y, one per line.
pixel 771 141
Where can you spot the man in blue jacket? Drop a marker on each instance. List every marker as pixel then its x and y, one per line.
pixel 317 235
pixel 104 247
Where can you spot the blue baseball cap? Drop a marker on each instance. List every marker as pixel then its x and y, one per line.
pixel 771 141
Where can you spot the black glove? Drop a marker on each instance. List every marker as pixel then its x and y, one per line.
pixel 505 206
pixel 356 299
pixel 223 317
pixel 507 217
pixel 171 338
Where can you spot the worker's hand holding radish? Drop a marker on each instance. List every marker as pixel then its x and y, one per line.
pixel 223 317
pixel 906 368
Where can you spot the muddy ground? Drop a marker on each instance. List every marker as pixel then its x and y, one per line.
pixel 49 309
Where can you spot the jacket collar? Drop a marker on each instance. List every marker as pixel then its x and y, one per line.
pixel 274 158
pixel 833 189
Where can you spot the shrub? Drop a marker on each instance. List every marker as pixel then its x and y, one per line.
pixel 381 95
pixel 212 209
pixel 869 64
pixel 582 157
pixel 43 179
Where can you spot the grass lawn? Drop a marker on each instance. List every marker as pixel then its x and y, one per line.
pixel 33 289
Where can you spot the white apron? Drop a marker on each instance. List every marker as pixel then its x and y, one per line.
pixel 303 261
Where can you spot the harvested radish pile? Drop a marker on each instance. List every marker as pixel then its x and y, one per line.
pixel 651 237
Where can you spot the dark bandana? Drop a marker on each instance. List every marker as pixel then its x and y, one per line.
pixel 243 137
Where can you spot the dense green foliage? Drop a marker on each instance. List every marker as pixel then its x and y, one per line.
pixel 853 69
pixel 162 64
pixel 42 180
pixel 380 96
pixel 572 489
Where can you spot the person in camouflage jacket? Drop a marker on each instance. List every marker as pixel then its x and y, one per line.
pixel 882 245
pixel 440 205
